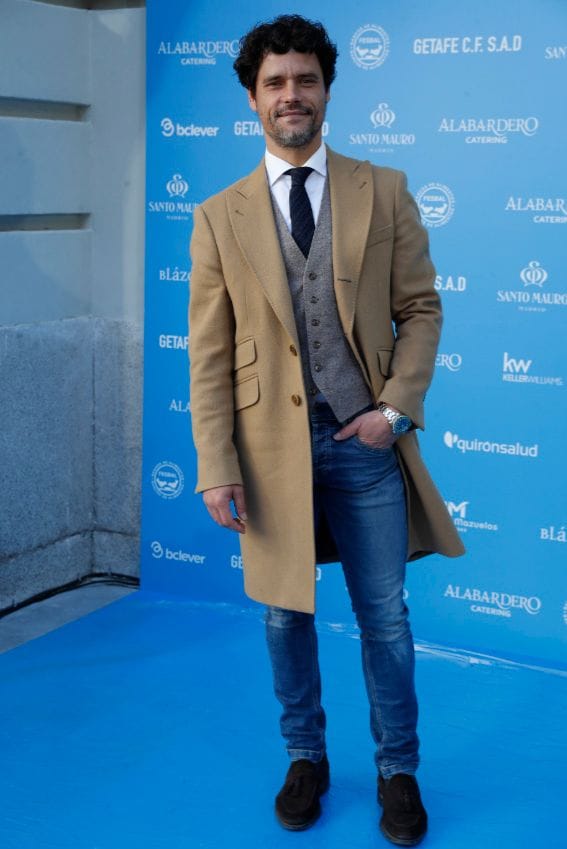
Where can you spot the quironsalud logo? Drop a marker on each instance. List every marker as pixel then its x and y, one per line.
pixel 436 204
pixel 167 479
pixel 369 47
pixel 482 446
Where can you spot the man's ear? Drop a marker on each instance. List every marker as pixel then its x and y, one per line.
pixel 252 101
pixel 328 95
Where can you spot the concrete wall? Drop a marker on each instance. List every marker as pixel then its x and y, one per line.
pixel 72 104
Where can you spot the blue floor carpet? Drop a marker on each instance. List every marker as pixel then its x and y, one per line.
pixel 151 723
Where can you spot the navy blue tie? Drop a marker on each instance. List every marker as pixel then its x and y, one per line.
pixel 302 223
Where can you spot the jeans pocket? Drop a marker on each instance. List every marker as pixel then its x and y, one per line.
pixel 372 449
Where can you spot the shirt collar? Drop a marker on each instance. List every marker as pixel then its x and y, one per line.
pixel 276 167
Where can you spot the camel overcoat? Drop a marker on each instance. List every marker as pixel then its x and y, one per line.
pixel 249 410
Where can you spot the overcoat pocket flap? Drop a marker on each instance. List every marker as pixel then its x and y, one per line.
pixel 244 353
pixel 384 357
pixel 246 392
pixel 379 234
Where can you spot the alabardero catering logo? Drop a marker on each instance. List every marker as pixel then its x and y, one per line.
pixel 177 405
pixel 369 47
pixel 171 129
pixel 249 128
pixel 177 207
pixel 203 52
pixel 167 479
pixel 160 552
pixel 451 362
pixel 482 446
pixel 532 297
pixel 463 521
pixel 488 130
pixel 542 210
pixel 383 139
pixel 518 370
pixel 451 45
pixel 436 204
pixel 494 603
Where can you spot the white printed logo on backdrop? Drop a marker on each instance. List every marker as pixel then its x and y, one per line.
pixel 543 210
pixel 533 297
pixel 483 446
pixel 369 47
pixel 167 479
pixel 200 52
pixel 177 208
pixel 452 362
pixel 436 204
pixel 451 283
pixel 171 128
pixel 382 141
pixel 447 45
pixel 516 370
pixel 463 522
pixel 494 603
pixel 488 130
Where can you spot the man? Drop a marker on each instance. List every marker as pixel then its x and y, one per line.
pixel 305 403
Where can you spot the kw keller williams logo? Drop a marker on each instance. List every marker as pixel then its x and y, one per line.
pixel 511 449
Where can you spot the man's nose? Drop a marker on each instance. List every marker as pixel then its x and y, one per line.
pixel 291 91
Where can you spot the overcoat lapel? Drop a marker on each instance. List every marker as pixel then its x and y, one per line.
pixel 352 196
pixel 252 218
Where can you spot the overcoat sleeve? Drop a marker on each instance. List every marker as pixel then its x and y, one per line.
pixel 211 353
pixel 415 310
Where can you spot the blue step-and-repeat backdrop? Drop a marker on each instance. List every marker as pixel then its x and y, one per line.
pixel 469 100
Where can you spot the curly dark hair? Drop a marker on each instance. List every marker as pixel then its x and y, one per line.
pixel 284 33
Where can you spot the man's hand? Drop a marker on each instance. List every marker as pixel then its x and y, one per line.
pixel 217 501
pixel 372 428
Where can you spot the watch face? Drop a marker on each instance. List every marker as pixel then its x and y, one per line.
pixel 402 425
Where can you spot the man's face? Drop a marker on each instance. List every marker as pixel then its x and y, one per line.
pixel 290 99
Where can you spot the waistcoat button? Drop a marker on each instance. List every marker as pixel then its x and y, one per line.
pixel 312 275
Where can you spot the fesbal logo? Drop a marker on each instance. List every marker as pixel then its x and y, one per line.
pixel 484 446
pixel 203 52
pixel 436 204
pixel 167 479
pixel 452 45
pixel 369 47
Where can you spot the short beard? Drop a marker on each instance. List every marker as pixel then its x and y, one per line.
pixel 294 138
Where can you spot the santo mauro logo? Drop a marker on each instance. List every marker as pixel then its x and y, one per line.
pixel 382 118
pixel 177 208
pixel 532 298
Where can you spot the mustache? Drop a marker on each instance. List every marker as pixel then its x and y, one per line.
pixel 297 107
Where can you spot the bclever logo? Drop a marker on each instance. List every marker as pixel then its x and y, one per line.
pixel 382 142
pixel 515 370
pixel 369 47
pixel 178 406
pixel 178 209
pixel 170 128
pixel 452 362
pixel 539 208
pixel 494 603
pixel 475 44
pixel 513 449
pixel 436 204
pixel 489 130
pixel 167 479
pixel 553 534
pixel 533 300
pixel 198 52
pixel 158 551
pixel 458 513
pixel 451 283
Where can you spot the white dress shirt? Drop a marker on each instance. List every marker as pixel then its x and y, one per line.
pixel 280 182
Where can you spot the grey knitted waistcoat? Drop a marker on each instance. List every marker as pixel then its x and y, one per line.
pixel 330 370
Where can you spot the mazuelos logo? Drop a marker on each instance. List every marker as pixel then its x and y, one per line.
pixel 167 479
pixel 369 47
pixel 460 516
pixel 436 204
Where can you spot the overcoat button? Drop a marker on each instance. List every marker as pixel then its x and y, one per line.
pixel 296 400
pixel 293 350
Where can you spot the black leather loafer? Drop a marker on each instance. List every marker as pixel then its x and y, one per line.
pixel 297 803
pixel 404 819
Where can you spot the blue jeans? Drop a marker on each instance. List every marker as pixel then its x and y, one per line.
pixel 361 492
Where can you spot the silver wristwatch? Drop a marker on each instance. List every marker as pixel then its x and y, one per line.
pixel 398 422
